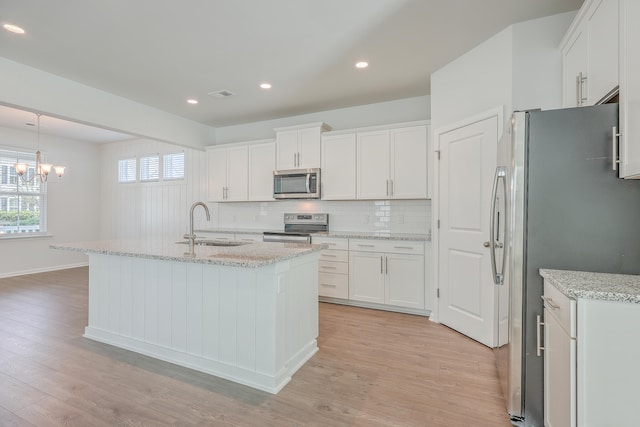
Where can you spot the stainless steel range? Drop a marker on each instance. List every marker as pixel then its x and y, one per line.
pixel 298 228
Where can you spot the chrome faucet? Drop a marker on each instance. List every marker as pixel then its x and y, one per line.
pixel 191 236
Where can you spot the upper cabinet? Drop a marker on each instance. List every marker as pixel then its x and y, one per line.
pixel 339 167
pixel 262 162
pixel 228 173
pixel 590 54
pixel 392 163
pixel 298 147
pixel 629 140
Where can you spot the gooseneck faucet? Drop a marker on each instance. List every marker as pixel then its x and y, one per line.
pixel 191 236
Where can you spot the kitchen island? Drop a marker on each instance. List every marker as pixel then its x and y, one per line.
pixel 246 313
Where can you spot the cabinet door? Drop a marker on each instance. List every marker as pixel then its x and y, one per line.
pixel 602 27
pixel 409 163
pixel 404 280
pixel 262 162
pixel 217 170
pixel 309 148
pixel 373 165
pixel 286 149
pixel 366 279
pixel 339 167
pixel 574 62
pixel 237 174
pixel 559 375
pixel 629 89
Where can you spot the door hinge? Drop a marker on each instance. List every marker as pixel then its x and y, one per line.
pixel 438 293
pixel 438 153
pixel 438 224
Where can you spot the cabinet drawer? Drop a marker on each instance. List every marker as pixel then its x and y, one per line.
pixel 388 246
pixel 561 307
pixel 333 285
pixel 333 267
pixel 334 255
pixel 332 242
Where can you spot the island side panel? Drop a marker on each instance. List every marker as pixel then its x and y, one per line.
pixel 255 326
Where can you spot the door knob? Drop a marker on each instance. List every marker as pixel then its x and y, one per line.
pixel 486 244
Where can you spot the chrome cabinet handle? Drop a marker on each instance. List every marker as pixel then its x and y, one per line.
pixel 581 79
pixel 381 271
pixel 326 267
pixel 614 145
pixel 391 191
pixel 329 256
pixel 366 246
pixel 386 265
pixel 548 302
pixel 403 247
pixel 578 96
pixel 539 325
pixel 328 286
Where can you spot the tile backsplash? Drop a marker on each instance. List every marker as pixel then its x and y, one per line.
pixel 395 216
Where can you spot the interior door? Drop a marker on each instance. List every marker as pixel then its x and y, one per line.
pixel 467 165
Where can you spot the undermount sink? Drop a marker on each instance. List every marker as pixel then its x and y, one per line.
pixel 215 242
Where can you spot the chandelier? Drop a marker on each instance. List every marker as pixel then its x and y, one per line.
pixel 42 170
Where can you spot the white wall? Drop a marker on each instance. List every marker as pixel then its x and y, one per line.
pixel 152 210
pixel 382 113
pixel 73 208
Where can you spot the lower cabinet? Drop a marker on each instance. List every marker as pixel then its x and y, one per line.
pixel 333 268
pixel 387 272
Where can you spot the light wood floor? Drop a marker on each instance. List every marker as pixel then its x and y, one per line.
pixel 373 369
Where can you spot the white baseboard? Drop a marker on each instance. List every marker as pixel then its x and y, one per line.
pixel 43 270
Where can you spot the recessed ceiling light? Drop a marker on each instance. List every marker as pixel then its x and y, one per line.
pixel 13 28
pixel 192 101
pixel 265 85
pixel 362 64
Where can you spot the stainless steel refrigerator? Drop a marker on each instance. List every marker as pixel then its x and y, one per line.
pixel 557 204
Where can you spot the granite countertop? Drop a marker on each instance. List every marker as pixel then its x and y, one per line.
pixel 252 255
pixel 378 235
pixel 596 286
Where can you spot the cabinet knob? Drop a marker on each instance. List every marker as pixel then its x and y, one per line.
pixel 486 244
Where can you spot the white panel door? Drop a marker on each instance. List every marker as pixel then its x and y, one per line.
pixel 405 280
pixel 286 149
pixel 237 174
pixel 262 162
pixel 217 164
pixel 309 148
pixel 366 279
pixel 339 167
pixel 373 165
pixel 409 163
pixel 467 166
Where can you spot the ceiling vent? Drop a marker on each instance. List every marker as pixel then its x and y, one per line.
pixel 221 94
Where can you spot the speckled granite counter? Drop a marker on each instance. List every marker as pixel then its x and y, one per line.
pixel 252 255
pixel 378 235
pixel 596 286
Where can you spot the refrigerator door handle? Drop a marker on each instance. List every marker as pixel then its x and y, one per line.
pixel 501 175
pixel 614 163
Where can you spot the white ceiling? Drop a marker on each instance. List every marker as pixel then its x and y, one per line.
pixel 160 53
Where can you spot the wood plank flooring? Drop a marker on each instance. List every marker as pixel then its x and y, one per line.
pixel 374 368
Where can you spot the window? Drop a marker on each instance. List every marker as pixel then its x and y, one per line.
pixel 150 168
pixel 22 204
pixel 173 166
pixel 127 170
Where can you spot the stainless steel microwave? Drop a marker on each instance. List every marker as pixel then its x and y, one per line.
pixel 296 184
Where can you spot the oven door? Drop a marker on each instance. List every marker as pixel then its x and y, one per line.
pixel 270 236
pixel 296 184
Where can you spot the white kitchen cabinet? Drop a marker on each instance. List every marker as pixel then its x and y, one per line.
pixel 333 268
pixel 590 54
pixel 392 163
pixel 629 140
pixel 228 174
pixel 262 162
pixel 387 272
pixel 298 147
pixel 339 167
pixel 559 359
pixel 591 349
